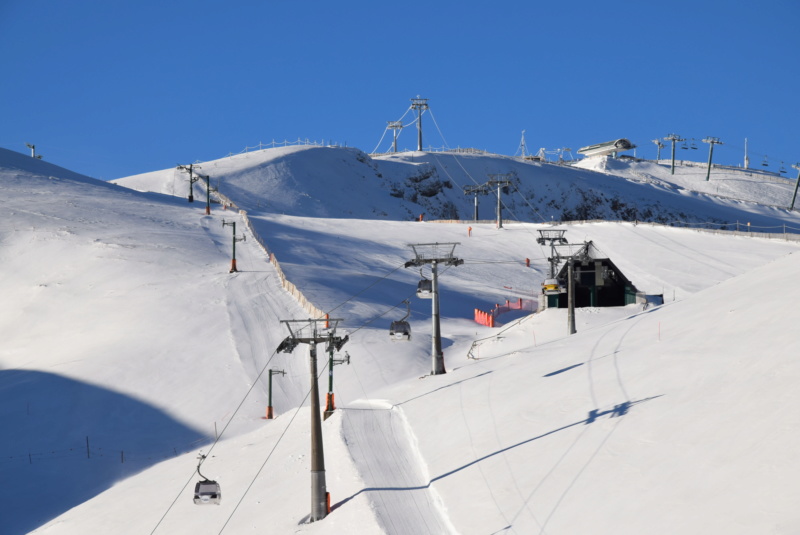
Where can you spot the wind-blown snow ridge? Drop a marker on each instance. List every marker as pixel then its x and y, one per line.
pixel 346 183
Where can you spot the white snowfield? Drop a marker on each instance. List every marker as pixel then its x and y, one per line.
pixel 128 347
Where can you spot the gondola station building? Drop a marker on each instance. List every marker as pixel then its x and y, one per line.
pixel 597 282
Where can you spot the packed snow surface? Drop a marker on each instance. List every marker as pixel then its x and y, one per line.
pixel 129 349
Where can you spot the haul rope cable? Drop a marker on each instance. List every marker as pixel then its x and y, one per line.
pixel 400 120
pixel 476 183
pixel 324 367
pixel 455 157
pixel 364 289
pixel 308 394
pixel 296 412
pixel 255 382
pixel 381 140
pixel 437 128
pixel 304 399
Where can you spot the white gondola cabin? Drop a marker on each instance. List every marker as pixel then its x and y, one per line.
pixel 400 330
pixel 206 491
pixel 425 289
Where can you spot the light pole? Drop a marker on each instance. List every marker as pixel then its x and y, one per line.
pixel 192 178
pixel 330 406
pixel 209 189
pixel 272 372
pixel 235 239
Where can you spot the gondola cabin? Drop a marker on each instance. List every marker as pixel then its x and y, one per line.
pixel 207 492
pixel 551 287
pixel 400 331
pixel 425 289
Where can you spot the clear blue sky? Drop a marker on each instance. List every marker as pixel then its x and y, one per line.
pixel 113 88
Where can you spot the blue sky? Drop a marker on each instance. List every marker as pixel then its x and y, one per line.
pixel 113 88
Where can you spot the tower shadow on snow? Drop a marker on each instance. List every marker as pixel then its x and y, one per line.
pixel 619 410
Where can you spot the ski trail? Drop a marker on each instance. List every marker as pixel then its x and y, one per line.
pixel 256 303
pixel 397 485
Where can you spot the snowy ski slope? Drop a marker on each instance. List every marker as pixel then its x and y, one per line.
pixel 126 329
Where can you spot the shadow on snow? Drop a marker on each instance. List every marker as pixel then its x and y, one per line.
pixel 66 441
pixel 619 410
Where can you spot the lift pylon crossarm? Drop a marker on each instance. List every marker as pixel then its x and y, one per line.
pixel 554 237
pixel 674 138
pixel 336 342
pixel 480 189
pixel 192 179
pixel 344 360
pixel 500 181
pixel 434 254
pixel 193 176
pixel 551 236
pixel 425 253
pixel 309 332
pixel 711 142
pixel 288 345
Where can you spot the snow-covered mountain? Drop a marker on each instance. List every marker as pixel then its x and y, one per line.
pixel 347 183
pixel 128 349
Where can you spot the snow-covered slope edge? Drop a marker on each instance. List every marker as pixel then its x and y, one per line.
pixel 169 328
pixel 346 183
pixel 673 420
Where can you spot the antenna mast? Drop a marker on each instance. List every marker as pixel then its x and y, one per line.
pixel 746 158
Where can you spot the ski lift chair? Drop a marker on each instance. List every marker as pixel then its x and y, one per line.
pixel 765 163
pixel 206 491
pixel 425 289
pixel 400 330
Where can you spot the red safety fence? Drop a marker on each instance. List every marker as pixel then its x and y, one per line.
pixel 488 318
